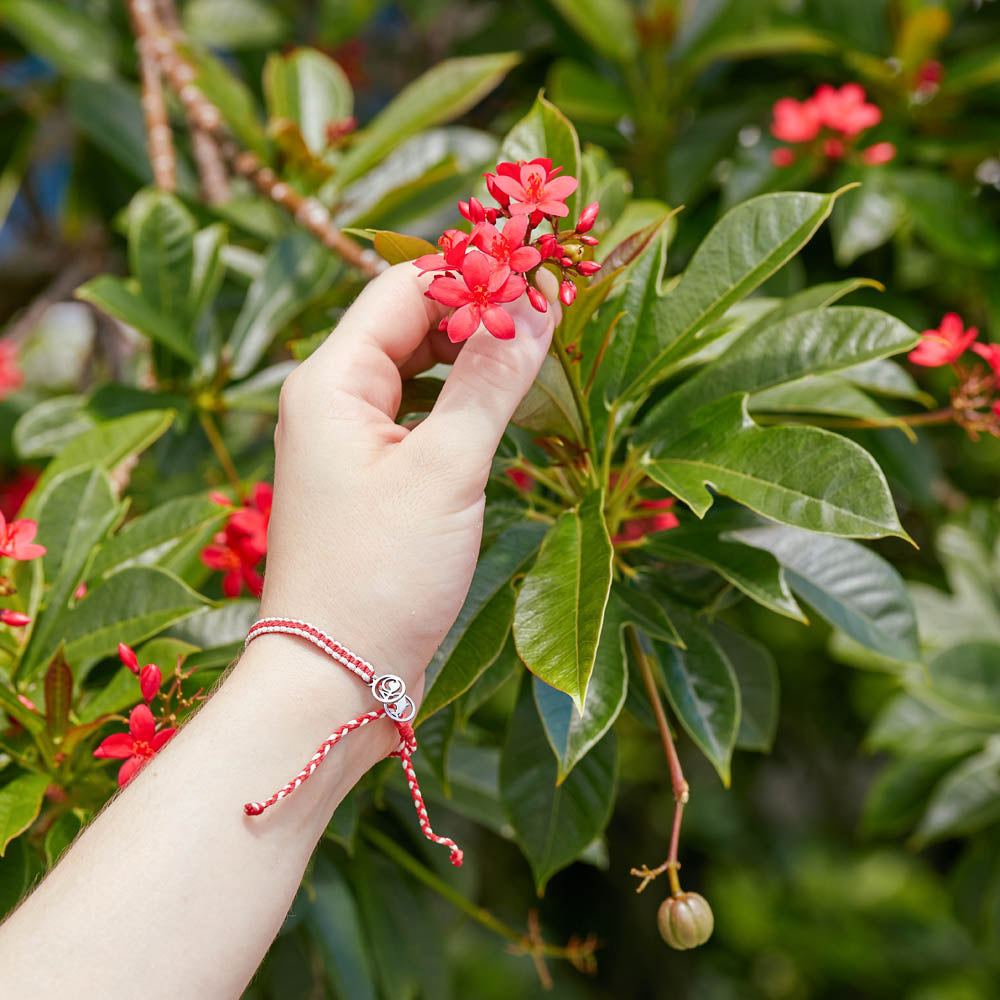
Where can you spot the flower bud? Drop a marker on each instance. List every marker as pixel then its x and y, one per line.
pixel 127 655
pixel 567 293
pixel 537 300
pixel 587 217
pixel 588 267
pixel 565 261
pixel 590 241
pixel 463 208
pixel 492 215
pixel 548 246
pixel 476 211
pixel 685 921
pixel 27 702
pixel 499 196
pixel 149 681
pixel 14 618
pixel 573 251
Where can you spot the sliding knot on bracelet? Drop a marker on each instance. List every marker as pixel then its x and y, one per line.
pixel 394 704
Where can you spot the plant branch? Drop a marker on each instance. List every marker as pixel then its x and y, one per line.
pixel 159 138
pixel 221 452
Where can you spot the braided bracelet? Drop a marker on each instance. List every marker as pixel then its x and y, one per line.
pixel 394 704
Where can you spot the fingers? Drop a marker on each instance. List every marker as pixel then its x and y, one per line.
pixel 488 380
pixel 386 327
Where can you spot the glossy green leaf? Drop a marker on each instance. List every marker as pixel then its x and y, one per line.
pixel 478 634
pixel 910 727
pixel 48 426
pixel 966 800
pixel 59 836
pixel 810 343
pixel 553 824
pixel 608 25
pixel 886 378
pixel 648 611
pixel 119 693
pixel 442 93
pixel 757 574
pixel 309 88
pixel 74 42
pixel 747 245
pixel 117 298
pixel 865 217
pixel 549 406
pixel 570 733
pixel 967 677
pixel 128 607
pixel 545 131
pixel 801 476
pixel 297 270
pixel 849 585
pixel 560 607
pixel 161 252
pixel 58 696
pixel 831 395
pixel 20 803
pixel 497 675
pixel 757 678
pixel 234 24
pixel 771 41
pixel 703 691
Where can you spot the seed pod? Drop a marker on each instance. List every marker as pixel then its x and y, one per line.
pixel 685 921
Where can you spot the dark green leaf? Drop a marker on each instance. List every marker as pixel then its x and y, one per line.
pixel 59 836
pixel 865 217
pixel 49 425
pixel 58 696
pixel 234 24
pixel 898 796
pixel 967 677
pixel 966 800
pixel 608 25
pixel 20 803
pixel 549 407
pixel 553 825
pixel 757 677
pixel 912 728
pixel 560 607
pixel 587 96
pixel 497 675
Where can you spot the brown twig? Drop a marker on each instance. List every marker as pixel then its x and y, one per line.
pixel 677 780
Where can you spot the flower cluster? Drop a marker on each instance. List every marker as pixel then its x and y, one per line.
pixel 147 734
pixel 636 528
pixel 17 543
pixel 237 550
pixel 975 400
pixel 828 123
pixel 485 269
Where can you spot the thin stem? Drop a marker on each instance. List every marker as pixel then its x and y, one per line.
pixel 546 480
pixel 942 416
pixel 221 452
pixel 573 378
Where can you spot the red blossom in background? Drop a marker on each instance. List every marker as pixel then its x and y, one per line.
pixel 15 491
pixel 990 353
pixel 11 376
pixel 638 527
pixel 242 544
pixel 523 480
pixel 829 122
pixel 136 747
pixel 16 539
pixel 944 345
pixel 15 619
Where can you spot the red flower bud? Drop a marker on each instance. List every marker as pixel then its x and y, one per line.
pixel 499 196
pixel 27 702
pixel 463 208
pixel 81 591
pixel 591 241
pixel 492 215
pixel 548 246
pixel 149 681
pixel 588 217
pixel 566 261
pixel 588 267
pixel 127 655
pixel 567 293
pixel 14 618
pixel 537 300
pixel 476 211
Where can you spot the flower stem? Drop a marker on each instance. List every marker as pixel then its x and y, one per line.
pixel 221 452
pixel 573 377
pixel 677 780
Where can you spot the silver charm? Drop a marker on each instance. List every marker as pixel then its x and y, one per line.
pixel 390 690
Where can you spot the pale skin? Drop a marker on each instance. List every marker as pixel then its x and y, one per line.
pixel 172 891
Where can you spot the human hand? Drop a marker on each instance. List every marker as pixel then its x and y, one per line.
pixel 375 529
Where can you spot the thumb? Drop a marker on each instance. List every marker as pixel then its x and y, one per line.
pixel 487 382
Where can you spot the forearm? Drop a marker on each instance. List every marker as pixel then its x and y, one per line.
pixel 173 886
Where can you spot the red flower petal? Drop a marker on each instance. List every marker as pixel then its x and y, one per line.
pixel 117 745
pixel 463 324
pixel 511 187
pixel 141 723
pixel 498 321
pixel 232 583
pixel 129 770
pixel 448 291
pixel 560 188
pixel 477 269
pixel 513 287
pixel 161 739
pixel 524 258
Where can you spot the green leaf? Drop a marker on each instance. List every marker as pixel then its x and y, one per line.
pixel 647 611
pixel 442 93
pixel 809 343
pixel 966 800
pixel 608 25
pixel 260 392
pixel 396 248
pixel 58 696
pixel 234 24
pixel 831 395
pixel 747 245
pixel 570 733
pixel 480 631
pixel 128 606
pixel 115 296
pixel 297 270
pixel 545 131
pixel 59 836
pixel 770 41
pixel 560 607
pixel 849 585
pixel 117 694
pixel 309 88
pixel 909 727
pixel 886 378
pixel 898 796
pixel 20 804
pixel 49 425
pixel 703 691
pixel 496 676
pixel 75 43
pixel 783 473
pixel 553 824
pixel 967 677
pixel 865 217
pixel 978 66
pixel 586 95
pixel 757 677
pixel 757 574
pixel 549 406
pixel 161 252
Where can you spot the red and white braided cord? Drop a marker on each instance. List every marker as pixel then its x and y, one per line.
pixel 407 740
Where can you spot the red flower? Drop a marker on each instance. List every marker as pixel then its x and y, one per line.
pixel 945 344
pixel 11 376
pixel 137 746
pixel 990 353
pixel 795 121
pixel 783 156
pixel 507 247
pixel 484 285
pixel 639 527
pixel 524 481
pixel 453 243
pixel 16 539
pixel 535 189
pixel 881 152
pixel 240 546
pixel 15 619
pixel 845 110
pixel 248 525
